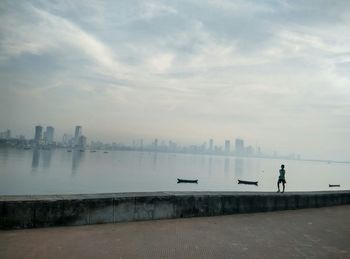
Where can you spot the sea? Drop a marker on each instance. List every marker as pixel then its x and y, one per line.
pixel 57 171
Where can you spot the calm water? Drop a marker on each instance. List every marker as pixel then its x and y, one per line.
pixel 58 171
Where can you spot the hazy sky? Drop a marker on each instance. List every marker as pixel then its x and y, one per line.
pixel 276 73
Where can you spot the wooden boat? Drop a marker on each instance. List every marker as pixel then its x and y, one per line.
pixel 334 185
pixel 247 182
pixel 186 181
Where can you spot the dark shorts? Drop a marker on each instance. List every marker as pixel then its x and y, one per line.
pixel 281 181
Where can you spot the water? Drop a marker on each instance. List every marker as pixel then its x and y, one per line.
pixel 61 172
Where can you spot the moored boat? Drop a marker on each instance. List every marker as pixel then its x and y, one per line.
pixel 186 181
pixel 247 182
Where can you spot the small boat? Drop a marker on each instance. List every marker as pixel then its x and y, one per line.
pixel 247 182
pixel 27 148
pixel 334 185
pixel 186 181
pixel 92 151
pixel 105 152
pixel 69 150
pixel 82 150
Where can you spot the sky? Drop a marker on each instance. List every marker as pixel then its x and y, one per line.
pixel 275 73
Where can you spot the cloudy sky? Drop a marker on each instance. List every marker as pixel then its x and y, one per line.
pixel 276 73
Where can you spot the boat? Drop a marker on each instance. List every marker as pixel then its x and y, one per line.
pixel 105 152
pixel 69 150
pixel 334 185
pixel 186 181
pixel 92 151
pixel 247 182
pixel 82 150
pixel 27 148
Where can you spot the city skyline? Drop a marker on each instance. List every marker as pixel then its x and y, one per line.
pixel 271 72
pixel 78 140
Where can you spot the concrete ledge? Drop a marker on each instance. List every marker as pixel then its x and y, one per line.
pixel 83 209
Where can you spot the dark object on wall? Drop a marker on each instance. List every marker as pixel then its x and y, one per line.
pixel 247 182
pixel 186 181
pixel 334 185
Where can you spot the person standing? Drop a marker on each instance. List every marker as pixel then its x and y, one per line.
pixel 281 179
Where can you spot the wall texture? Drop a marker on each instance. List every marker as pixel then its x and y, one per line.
pixel 69 210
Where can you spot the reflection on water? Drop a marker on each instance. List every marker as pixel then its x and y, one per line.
pixel 140 158
pixel 41 155
pixel 124 171
pixel 210 165
pixel 227 165
pixel 155 157
pixel 47 154
pixel 36 158
pixel 76 160
pixel 238 167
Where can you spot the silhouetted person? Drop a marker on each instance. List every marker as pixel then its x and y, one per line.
pixel 281 179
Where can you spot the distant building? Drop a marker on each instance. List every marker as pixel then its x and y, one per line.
pixel 67 139
pixel 239 146
pixel 38 134
pixel 82 142
pixel 211 145
pixel 227 146
pixel 155 144
pixel 77 134
pixel 49 135
pixel 141 143
pixel 249 150
pixel 6 134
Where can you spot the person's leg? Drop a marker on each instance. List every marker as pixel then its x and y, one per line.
pixel 278 185
pixel 283 186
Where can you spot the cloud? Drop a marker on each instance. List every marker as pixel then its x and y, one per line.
pixel 266 71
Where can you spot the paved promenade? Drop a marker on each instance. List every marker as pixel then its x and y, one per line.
pixel 307 233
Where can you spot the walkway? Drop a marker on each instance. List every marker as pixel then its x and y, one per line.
pixel 308 233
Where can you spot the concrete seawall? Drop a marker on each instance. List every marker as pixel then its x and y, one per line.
pixel 69 210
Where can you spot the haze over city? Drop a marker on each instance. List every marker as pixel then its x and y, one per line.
pixel 275 73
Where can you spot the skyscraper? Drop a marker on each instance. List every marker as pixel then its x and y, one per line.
pixel 67 139
pixel 155 144
pixel 77 134
pixel 227 146
pixel 239 146
pixel 38 134
pixel 211 145
pixel 6 134
pixel 49 135
pixel 82 142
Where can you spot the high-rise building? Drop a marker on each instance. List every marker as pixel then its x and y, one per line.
pixel 141 143
pixel 49 135
pixel 155 144
pixel 67 139
pixel 77 134
pixel 239 146
pixel 5 134
pixel 211 145
pixel 8 134
pixel 227 146
pixel 82 142
pixel 38 134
